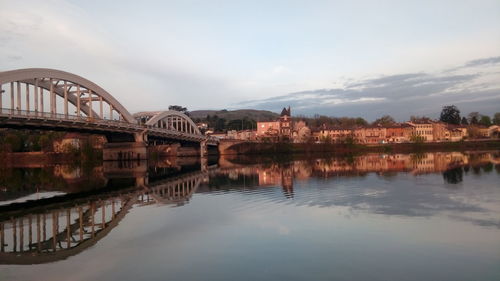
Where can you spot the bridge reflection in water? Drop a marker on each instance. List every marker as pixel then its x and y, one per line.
pixel 56 228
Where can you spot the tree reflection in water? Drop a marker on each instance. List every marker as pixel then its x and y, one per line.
pixel 453 176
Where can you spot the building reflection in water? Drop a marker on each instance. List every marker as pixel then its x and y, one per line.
pixel 450 164
pixel 97 199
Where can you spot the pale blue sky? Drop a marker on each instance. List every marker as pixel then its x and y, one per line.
pixel 230 54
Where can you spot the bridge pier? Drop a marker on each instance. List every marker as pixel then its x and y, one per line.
pixel 203 149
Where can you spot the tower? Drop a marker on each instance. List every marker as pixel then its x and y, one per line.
pixel 285 124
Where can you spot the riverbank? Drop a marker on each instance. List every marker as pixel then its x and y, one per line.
pixel 36 159
pixel 249 148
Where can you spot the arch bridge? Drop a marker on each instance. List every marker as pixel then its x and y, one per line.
pixel 49 99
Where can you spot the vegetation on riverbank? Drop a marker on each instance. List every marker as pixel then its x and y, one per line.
pixel 36 146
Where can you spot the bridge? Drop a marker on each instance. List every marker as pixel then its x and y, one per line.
pixel 49 99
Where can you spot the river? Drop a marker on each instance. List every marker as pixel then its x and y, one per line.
pixel 427 216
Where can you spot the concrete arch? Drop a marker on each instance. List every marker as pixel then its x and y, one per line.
pixel 29 75
pixel 155 117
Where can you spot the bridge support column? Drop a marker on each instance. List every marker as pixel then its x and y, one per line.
pixel 204 164
pixel 203 149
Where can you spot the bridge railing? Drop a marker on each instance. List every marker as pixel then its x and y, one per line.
pixel 26 114
pixel 59 116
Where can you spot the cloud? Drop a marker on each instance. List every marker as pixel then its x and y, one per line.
pixel 485 61
pixel 175 53
pixel 400 95
pixel 74 41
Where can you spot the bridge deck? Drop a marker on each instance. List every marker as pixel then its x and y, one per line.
pixel 23 118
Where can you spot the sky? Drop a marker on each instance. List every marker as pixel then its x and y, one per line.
pixel 338 58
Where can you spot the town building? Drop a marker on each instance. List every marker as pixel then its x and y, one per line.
pixel 269 129
pixel 374 134
pixel 494 131
pixel 422 129
pixel 359 135
pixel 332 134
pixel 448 132
pixel 279 130
pixel 398 133
pixel 286 124
pixel 202 126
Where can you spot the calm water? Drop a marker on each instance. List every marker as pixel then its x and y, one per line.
pixel 433 216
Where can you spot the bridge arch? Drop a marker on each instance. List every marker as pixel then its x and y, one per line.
pixel 170 120
pixel 86 97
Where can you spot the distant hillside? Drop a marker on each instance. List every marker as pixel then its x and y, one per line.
pixel 252 114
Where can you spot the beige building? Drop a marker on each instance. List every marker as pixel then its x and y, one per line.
pixel 423 129
pixel 359 135
pixel 284 129
pixel 375 134
pixel 332 134
pixel 494 131
pixel 265 129
pixel 280 129
pixel 446 132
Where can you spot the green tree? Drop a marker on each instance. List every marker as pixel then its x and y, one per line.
pixel 361 122
pixel 414 118
pixel 220 125
pixel 450 114
pixel 474 118
pixel 241 124
pixel 485 120
pixel 45 143
pixel 496 118
pixel 14 142
pixel 33 143
pixel 179 108
pixel 384 121
pixel 464 121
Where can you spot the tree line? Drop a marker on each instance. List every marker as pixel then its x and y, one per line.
pixel 451 114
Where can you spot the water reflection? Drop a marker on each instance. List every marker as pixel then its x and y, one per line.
pixel 397 194
pixel 88 202
pixel 88 206
pixel 450 164
pixel 56 228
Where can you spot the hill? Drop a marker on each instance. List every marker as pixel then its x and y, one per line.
pixel 251 114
